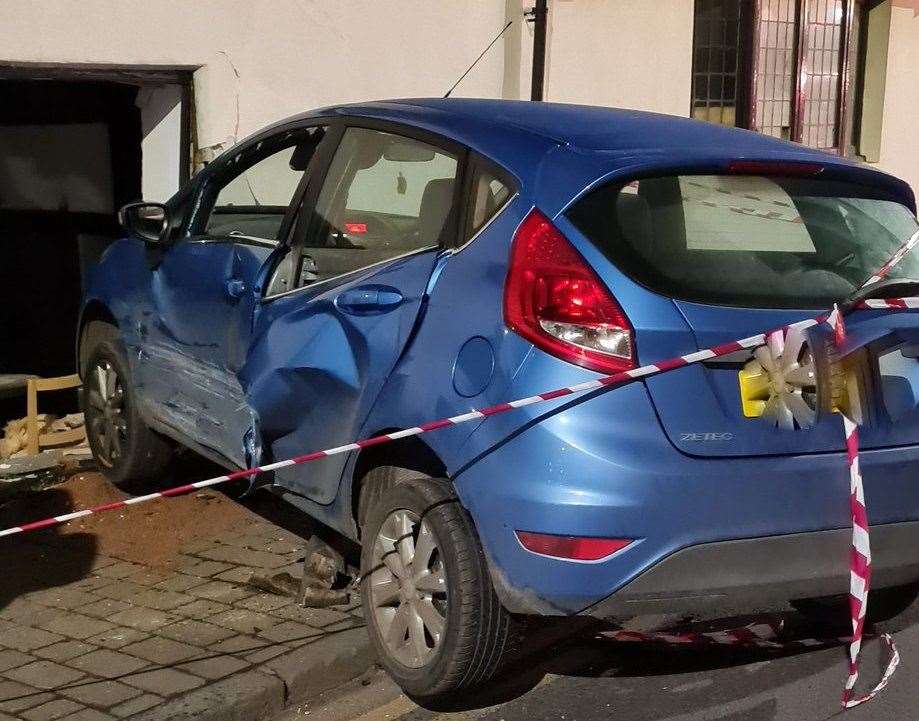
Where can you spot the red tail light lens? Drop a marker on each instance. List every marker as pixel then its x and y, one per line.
pixel 553 298
pixel 573 548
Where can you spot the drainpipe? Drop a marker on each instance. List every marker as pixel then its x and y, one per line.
pixel 539 15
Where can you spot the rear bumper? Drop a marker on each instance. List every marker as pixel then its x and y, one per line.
pixel 760 574
pixel 603 468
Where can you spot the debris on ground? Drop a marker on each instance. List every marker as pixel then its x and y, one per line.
pixel 321 584
pixel 31 473
pixel 151 535
pixel 320 587
pixel 280 584
pixel 15 434
pixel 22 472
pixel 313 597
pixel 313 590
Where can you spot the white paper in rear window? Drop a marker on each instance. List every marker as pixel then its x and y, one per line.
pixel 744 213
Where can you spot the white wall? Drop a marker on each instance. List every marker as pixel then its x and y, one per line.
pixel 900 130
pixel 263 60
pixel 161 127
pixel 622 53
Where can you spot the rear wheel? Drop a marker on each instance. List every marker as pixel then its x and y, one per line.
pixel 128 452
pixel 432 614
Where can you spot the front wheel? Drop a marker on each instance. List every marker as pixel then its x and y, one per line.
pixel 128 452
pixel 434 620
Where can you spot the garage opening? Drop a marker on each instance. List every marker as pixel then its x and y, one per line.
pixel 75 145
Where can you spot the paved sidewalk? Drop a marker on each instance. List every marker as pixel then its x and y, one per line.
pixel 87 635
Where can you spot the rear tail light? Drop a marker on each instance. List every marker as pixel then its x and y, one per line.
pixel 572 548
pixel 553 298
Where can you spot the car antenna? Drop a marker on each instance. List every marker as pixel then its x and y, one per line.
pixel 469 69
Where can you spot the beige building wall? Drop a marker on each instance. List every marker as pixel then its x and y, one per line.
pixel 262 60
pixel 623 53
pixel 899 152
pixel 265 59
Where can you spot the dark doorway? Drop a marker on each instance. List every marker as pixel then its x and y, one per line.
pixel 70 156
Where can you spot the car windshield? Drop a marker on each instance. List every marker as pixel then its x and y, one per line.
pixel 748 240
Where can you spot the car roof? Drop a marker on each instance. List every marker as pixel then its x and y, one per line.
pixel 543 143
pixel 600 128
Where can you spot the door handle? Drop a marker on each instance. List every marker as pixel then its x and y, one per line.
pixel 368 299
pixel 235 287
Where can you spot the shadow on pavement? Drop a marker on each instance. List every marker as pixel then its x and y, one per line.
pixel 584 658
pixel 45 558
pixel 263 502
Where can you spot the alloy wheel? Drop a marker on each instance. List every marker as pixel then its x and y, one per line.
pixel 408 588
pixel 789 366
pixel 108 421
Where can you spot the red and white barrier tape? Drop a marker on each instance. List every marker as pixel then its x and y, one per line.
pixel 860 531
pixel 756 635
pixel 889 303
pixel 608 381
pixel 860 556
pixel 899 255
pixel 762 635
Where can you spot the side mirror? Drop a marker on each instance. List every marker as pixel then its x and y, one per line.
pixel 148 221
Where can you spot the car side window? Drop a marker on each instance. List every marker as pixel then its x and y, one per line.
pixel 257 191
pixel 489 191
pixel 384 195
pixel 489 194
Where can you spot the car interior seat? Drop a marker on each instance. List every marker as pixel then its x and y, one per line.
pixel 435 210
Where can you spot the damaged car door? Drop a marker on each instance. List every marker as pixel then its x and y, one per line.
pixel 205 291
pixel 366 247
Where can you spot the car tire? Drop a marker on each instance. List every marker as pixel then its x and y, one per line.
pixel 449 632
pixel 375 484
pixel 130 454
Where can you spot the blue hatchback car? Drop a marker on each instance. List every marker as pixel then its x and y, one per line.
pixel 366 268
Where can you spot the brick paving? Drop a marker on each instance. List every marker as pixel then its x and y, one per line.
pixel 108 638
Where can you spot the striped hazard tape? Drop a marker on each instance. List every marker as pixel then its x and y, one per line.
pixel 860 566
pixel 899 255
pixel 755 635
pixel 764 635
pixel 860 557
pixel 889 303
pixel 616 379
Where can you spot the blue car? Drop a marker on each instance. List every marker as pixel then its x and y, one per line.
pixel 367 268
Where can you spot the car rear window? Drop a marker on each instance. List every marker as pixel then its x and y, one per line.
pixel 750 241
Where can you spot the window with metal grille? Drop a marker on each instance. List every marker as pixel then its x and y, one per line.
pixel 787 68
pixel 716 61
